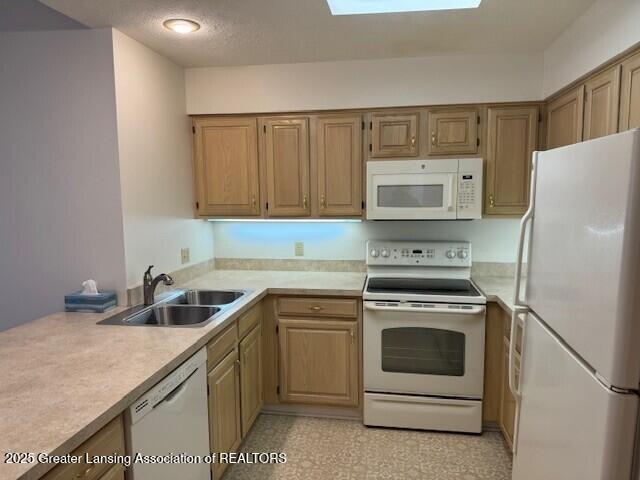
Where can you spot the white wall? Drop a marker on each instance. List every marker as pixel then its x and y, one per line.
pixel 60 210
pixel 364 83
pixel 492 240
pixel 605 30
pixel 154 137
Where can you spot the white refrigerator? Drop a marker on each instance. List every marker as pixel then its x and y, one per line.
pixel 579 309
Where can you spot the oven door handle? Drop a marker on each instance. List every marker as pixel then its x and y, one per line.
pixel 475 310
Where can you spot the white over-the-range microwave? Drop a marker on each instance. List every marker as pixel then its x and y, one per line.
pixel 424 189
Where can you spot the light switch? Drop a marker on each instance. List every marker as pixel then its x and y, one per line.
pixel 185 255
pixel 299 249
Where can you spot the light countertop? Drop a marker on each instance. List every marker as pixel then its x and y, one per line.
pixel 497 289
pixel 63 377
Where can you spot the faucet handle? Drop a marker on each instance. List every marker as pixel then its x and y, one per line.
pixel 148 271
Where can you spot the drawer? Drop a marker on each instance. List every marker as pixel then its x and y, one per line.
pixel 318 307
pixel 249 319
pixel 221 345
pixel 108 441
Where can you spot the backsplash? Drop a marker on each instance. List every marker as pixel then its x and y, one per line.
pixel 493 240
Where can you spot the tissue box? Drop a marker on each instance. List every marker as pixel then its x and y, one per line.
pixel 76 302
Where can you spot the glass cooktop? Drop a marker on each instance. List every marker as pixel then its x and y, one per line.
pixel 451 287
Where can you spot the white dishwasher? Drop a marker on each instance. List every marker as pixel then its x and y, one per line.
pixel 170 420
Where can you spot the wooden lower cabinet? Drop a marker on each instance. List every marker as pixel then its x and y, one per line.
pixel 319 361
pixel 250 378
pixel 108 441
pixel 507 415
pixel 225 432
pixel 115 473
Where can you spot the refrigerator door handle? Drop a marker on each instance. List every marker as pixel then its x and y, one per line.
pixel 526 219
pixel 513 385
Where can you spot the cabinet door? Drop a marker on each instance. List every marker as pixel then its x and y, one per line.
pixel 507 402
pixel 453 132
pixel 565 118
pixel 251 378
pixel 512 133
pixel 394 135
pixel 226 166
pixel 224 409
pixel 630 94
pixel 339 160
pixel 319 361
pixel 287 158
pixel 601 104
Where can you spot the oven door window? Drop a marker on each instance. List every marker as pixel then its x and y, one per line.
pixel 411 196
pixel 426 351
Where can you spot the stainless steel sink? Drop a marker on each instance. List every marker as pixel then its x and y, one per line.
pixel 179 308
pixel 207 297
pixel 173 315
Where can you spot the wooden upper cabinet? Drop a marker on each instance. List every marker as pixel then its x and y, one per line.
pixel 286 147
pixel 630 94
pixel 319 361
pixel 250 378
pixel 512 134
pixel 224 409
pixel 339 161
pixel 226 166
pixel 452 132
pixel 565 119
pixel 394 135
pixel 601 104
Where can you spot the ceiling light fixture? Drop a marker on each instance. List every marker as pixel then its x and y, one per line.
pixel 361 7
pixel 181 25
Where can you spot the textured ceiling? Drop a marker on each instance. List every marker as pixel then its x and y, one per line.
pixel 246 32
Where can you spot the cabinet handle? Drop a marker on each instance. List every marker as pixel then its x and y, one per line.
pixel 315 308
pixel 413 141
pixel 433 138
pixel 491 203
pixel 323 202
pixel 253 201
pixel 352 337
pixel 86 472
pixel 304 202
pixel 236 366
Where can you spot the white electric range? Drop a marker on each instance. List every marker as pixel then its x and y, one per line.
pixel 423 337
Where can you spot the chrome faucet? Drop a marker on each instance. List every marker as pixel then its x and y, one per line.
pixel 149 285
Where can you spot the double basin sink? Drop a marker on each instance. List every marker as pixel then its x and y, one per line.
pixel 180 308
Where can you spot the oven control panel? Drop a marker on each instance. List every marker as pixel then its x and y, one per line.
pixel 424 254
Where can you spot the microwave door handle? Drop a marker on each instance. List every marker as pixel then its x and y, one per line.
pixel 450 207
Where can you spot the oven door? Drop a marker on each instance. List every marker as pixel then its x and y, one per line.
pixel 424 349
pixel 413 196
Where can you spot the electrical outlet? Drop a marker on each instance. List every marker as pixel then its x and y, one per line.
pixel 185 255
pixel 299 249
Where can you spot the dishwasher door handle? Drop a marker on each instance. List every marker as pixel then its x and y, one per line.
pixel 476 310
pixel 177 390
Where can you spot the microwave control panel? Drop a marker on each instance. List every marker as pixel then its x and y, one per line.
pixel 469 205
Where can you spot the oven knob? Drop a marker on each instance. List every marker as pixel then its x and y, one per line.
pixel 385 252
pixel 374 253
pixel 450 254
pixel 462 254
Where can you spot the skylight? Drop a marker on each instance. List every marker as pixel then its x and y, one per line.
pixel 359 7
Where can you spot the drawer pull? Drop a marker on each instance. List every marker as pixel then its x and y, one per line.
pixel 86 472
pixel 315 308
